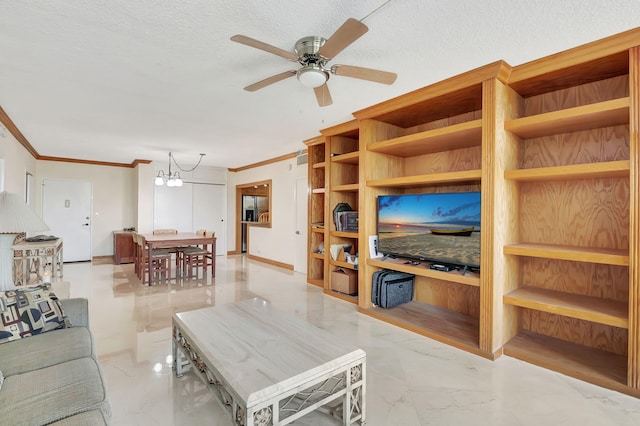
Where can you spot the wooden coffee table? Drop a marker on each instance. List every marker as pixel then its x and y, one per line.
pixel 269 367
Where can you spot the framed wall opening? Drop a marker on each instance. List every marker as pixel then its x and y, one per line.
pixel 253 208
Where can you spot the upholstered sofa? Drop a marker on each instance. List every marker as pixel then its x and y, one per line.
pixel 52 376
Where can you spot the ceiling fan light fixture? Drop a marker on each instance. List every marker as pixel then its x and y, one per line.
pixel 312 76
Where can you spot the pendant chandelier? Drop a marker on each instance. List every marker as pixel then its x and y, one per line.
pixel 173 179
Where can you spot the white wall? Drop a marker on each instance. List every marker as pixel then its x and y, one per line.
pixel 143 213
pixel 17 162
pixel 114 197
pixel 276 243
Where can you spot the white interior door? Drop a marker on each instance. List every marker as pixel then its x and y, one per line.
pixel 300 261
pixel 209 210
pixel 66 208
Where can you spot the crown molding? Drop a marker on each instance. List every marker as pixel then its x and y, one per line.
pixel 13 129
pixel 267 162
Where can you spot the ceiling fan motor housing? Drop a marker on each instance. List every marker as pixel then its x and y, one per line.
pixel 307 49
pixel 312 73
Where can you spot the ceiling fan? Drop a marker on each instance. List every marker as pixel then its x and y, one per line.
pixel 313 53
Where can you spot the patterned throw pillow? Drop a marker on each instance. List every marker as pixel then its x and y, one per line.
pixel 28 311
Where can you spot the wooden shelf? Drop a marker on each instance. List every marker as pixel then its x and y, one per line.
pixel 316 282
pixel 346 297
pixel 319 165
pixel 592 116
pixel 318 190
pixel 344 234
pixel 318 255
pixel 443 325
pixel 348 158
pixel 431 179
pixel 469 278
pixel 576 171
pixel 317 230
pixel 463 135
pixel 585 363
pixel 351 187
pixel 579 254
pixel 343 264
pixel 594 309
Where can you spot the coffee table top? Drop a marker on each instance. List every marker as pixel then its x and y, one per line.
pixel 261 351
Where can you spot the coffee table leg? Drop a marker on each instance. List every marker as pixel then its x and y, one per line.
pixel 353 402
pixel 346 401
pixel 177 353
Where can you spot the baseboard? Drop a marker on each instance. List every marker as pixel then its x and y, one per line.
pixel 270 262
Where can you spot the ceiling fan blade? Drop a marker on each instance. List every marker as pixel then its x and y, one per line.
pixel 377 76
pixel 322 95
pixel 349 32
pixel 269 80
pixel 251 42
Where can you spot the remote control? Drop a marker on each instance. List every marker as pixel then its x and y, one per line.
pixel 439 267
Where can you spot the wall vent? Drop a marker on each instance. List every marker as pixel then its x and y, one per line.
pixel 302 159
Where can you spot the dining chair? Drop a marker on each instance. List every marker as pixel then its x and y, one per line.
pixel 136 264
pixel 158 267
pixel 177 251
pixel 263 218
pixel 164 231
pixel 195 257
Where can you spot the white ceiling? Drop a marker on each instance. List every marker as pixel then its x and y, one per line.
pixel 120 80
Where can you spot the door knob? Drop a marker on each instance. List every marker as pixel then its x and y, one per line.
pixel 297 232
pixel 85 224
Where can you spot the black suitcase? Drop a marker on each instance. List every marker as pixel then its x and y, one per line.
pixel 391 288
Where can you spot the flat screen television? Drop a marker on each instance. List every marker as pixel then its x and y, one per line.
pixel 439 227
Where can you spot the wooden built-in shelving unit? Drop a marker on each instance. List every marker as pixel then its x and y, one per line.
pixel 316 206
pixel 553 146
pixel 342 186
pixel 430 140
pixel 570 251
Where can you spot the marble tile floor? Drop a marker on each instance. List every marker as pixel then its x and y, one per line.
pixel 411 380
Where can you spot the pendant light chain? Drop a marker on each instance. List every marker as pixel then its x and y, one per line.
pixel 189 170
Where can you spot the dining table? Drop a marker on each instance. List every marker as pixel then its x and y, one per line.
pixel 181 239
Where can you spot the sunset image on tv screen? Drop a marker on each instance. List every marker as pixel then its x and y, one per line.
pixel 438 227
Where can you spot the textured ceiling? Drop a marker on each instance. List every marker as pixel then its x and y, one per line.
pixel 122 80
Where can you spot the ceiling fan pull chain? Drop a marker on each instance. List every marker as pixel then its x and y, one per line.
pixel 375 10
